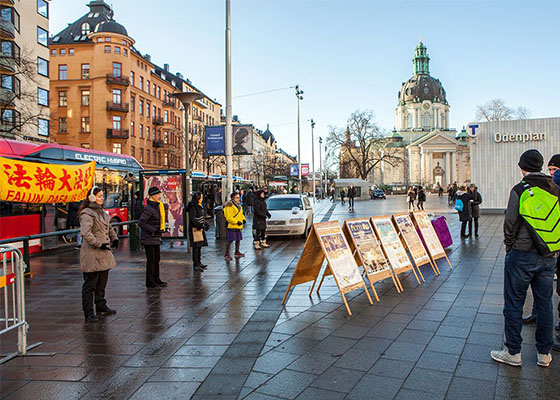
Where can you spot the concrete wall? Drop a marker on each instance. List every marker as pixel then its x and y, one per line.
pixel 494 165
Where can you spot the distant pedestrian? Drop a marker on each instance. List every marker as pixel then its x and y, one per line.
pixel 138 205
pixel 96 258
pixel 218 199
pixel 333 195
pixel 293 190
pixel 233 212
pixel 464 208
pixel 73 221
pixel 259 221
pixel 342 195
pixel 250 201
pixel 421 198
pixel 530 259
pixel 197 231
pixel 351 196
pixel 152 224
pixel 475 204
pixel 410 198
pixel 440 191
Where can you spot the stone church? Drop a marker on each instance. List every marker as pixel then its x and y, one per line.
pixel 432 153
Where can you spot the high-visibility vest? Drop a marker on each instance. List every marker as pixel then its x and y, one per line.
pixel 541 211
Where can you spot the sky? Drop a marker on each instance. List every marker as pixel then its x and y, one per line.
pixel 347 55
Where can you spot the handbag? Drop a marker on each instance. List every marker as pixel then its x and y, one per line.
pixel 198 235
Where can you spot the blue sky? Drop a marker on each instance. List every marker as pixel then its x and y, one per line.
pixel 348 55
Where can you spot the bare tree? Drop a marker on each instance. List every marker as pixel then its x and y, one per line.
pixel 362 145
pixel 496 110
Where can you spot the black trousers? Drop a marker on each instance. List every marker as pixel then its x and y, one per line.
pixel 94 286
pixel 475 225
pixel 196 255
pixel 152 264
pixel 259 235
pixel 464 227
pixel 351 202
pixel 421 205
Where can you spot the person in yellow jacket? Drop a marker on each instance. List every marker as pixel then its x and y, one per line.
pixel 233 213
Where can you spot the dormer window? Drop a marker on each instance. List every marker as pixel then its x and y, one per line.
pixel 86 29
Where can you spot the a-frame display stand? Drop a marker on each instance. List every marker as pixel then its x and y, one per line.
pixel 326 241
pixel 431 240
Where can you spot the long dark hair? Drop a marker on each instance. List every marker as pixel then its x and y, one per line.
pixel 85 204
pixel 196 198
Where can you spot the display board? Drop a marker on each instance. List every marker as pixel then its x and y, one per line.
pixel 413 243
pixel 368 253
pixel 392 246
pixel 424 225
pixel 326 241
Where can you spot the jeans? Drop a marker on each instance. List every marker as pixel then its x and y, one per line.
pixel 152 264
pixel 534 309
pixel 464 227
pixel 523 268
pixel 350 202
pixel 94 285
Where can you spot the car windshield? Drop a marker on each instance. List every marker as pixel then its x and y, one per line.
pixel 278 203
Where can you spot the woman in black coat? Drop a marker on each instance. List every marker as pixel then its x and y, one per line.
pixel 259 221
pixel 150 236
pixel 475 202
pixel 197 222
pixel 465 215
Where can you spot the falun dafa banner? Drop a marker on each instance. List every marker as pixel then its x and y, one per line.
pixel 30 182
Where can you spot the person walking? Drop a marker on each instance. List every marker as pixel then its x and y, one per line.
pixel 250 201
pixel 96 258
pixel 233 212
pixel 259 221
pixel 410 198
pixel 464 208
pixel 476 201
pixel 152 225
pixel 197 230
pixel 73 220
pixel 440 191
pixel 342 195
pixel 530 259
pixel 351 196
pixel 421 198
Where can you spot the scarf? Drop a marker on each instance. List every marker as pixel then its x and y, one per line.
pixel 161 216
pixel 238 205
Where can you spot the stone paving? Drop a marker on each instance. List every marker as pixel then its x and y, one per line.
pixel 223 334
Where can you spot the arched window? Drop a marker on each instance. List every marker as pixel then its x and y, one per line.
pixel 409 121
pixel 85 28
pixel 426 121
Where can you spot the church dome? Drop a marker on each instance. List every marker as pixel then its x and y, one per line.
pixel 111 26
pixel 420 88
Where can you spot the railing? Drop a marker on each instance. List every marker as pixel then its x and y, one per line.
pixel 118 80
pixel 169 104
pixel 117 134
pixel 123 107
pixel 198 118
pixel 157 143
pixel 157 121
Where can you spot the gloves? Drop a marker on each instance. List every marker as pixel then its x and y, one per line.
pixel 115 244
pixel 244 222
pixel 105 246
pixel 239 223
pixel 268 215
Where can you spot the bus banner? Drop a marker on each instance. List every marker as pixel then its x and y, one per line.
pixel 30 182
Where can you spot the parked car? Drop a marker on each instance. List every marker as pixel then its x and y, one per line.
pixel 378 194
pixel 292 214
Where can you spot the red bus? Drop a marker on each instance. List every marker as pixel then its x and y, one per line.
pixel 113 173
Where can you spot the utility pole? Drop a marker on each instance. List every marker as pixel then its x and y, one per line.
pixel 320 167
pixel 229 133
pixel 313 158
pixel 299 95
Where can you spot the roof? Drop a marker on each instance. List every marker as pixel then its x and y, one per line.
pixel 268 135
pixel 420 88
pixel 111 27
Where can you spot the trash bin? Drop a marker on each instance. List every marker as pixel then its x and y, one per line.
pixel 220 223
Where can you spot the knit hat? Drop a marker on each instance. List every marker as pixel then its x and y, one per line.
pixel 554 161
pixel 531 161
pixel 153 191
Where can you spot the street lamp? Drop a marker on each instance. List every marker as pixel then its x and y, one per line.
pixel 313 158
pixel 229 128
pixel 187 98
pixel 299 96
pixel 320 167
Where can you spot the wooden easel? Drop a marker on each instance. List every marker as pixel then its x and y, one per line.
pixel 433 244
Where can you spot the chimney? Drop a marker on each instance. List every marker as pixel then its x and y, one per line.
pixel 235 118
pixel 179 75
pixel 166 67
pixel 148 57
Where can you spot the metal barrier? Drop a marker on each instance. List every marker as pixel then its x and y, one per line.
pixel 12 302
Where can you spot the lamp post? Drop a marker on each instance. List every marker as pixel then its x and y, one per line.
pixel 187 98
pixel 299 96
pixel 313 158
pixel 229 129
pixel 320 167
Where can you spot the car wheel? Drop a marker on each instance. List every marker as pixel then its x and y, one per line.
pixel 305 232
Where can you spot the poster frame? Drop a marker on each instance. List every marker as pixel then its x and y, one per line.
pixel 437 256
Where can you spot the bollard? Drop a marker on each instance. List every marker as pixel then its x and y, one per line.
pixel 26 255
pixel 133 237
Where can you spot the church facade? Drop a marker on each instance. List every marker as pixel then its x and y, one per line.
pixel 431 153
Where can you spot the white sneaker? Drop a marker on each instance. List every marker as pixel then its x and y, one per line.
pixel 503 356
pixel 544 360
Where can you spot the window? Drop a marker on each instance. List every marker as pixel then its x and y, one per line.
pixel 62 72
pixel 42 66
pixel 141 155
pixel 141 131
pixel 85 71
pixel 165 137
pixel 165 116
pixel 132 151
pixel 117 148
pixel 53 52
pixel 141 83
pixel 147 86
pixel 71 52
pixel 426 121
pixel 42 36
pixel 147 133
pixel 86 29
pixel 42 97
pixel 107 49
pixel 85 98
pixel 117 70
pixel 85 124
pixel 43 127
pixel 409 121
pixel 132 103
pixel 141 107
pixel 132 133
pixel 117 96
pixel 62 52
pixel 147 110
pixel 85 145
pixel 62 125
pixel 132 78
pixel 107 39
pixel 154 89
pixel 43 8
pixel 62 99
pixel 125 52
pixel 159 92
pixel 117 123
pixel 99 40
pixel 154 111
pixel 148 157
pixel 117 50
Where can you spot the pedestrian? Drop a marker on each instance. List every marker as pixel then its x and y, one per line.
pixel 530 258
pixel 250 201
pixel 351 196
pixel 138 205
pixel 73 221
pixel 410 198
pixel 96 258
pixel 152 224
pixel 233 212
pixel 342 195
pixel 218 199
pixel 243 199
pixel 464 208
pixel 475 206
pixel 440 191
pixel 197 230
pixel 293 190
pixel 259 221
pixel 333 195
pixel 421 198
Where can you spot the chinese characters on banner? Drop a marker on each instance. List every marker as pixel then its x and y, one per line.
pixel 29 182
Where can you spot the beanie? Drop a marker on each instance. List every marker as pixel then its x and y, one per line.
pixel 531 161
pixel 554 161
pixel 153 191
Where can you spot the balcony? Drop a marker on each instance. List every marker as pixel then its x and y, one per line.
pixel 198 118
pixel 157 143
pixel 118 80
pixel 6 97
pixel 157 121
pixel 117 134
pixel 7 64
pixel 122 107
pixel 6 29
pixel 169 104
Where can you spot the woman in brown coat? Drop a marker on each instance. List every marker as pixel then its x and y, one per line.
pixel 96 258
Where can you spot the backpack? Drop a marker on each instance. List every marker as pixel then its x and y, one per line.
pixel 541 212
pixel 459 205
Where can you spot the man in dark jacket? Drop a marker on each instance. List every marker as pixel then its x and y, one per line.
pixel 465 215
pixel 197 222
pixel 524 266
pixel 259 221
pixel 351 195
pixel 476 201
pixel 250 201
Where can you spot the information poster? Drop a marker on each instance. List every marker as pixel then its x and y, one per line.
pixel 366 243
pixel 413 242
pixel 171 187
pixel 429 234
pixel 391 242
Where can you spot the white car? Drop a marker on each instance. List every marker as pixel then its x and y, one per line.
pixel 292 214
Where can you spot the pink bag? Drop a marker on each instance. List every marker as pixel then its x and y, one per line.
pixel 442 231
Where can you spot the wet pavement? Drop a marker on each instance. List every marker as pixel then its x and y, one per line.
pixel 223 333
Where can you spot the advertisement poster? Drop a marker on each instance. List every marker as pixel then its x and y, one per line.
pixel 242 139
pixel 391 242
pixel 366 243
pixel 294 169
pixel 429 234
pixel 412 239
pixel 171 187
pixel 215 140
pixel 341 260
